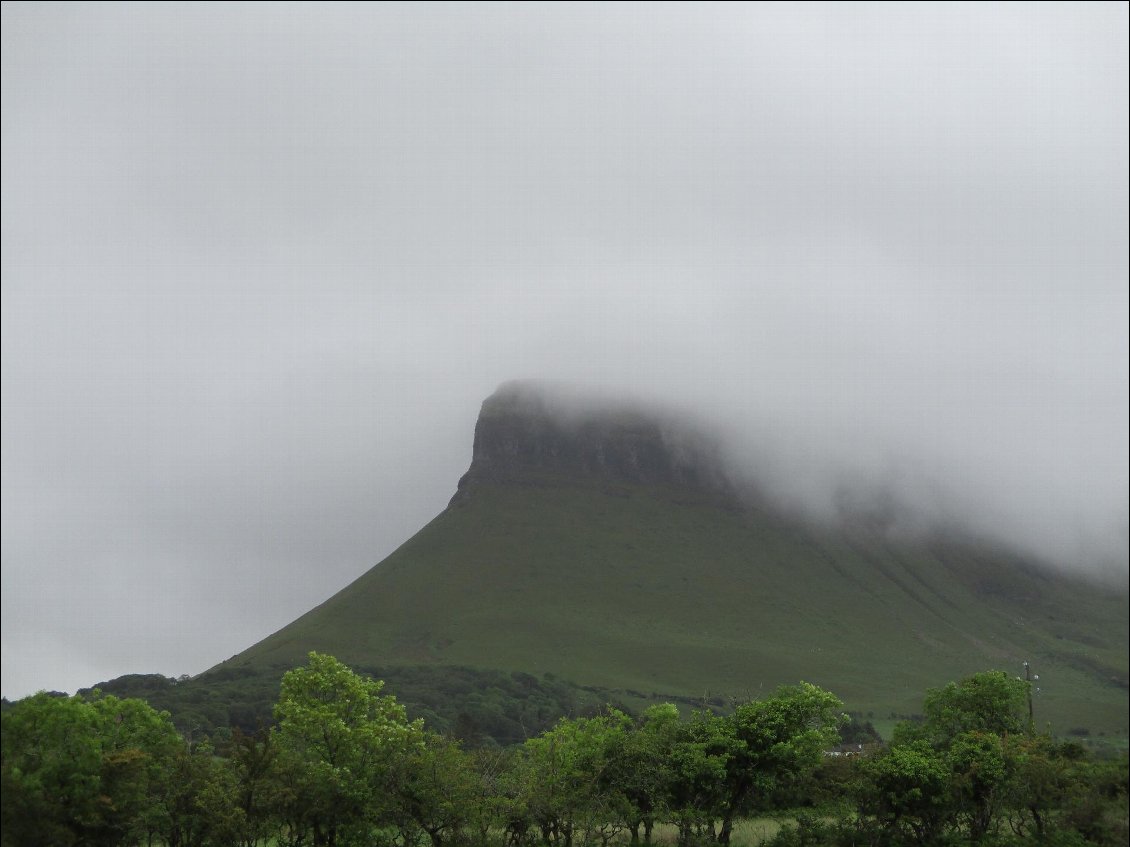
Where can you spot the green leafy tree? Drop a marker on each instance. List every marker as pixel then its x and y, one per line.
pixel 639 768
pixel 991 701
pixel 84 771
pixel 906 791
pixel 493 806
pixel 51 771
pixel 252 762
pixel 696 791
pixel 437 787
pixel 970 764
pixel 338 740
pixel 1041 773
pixel 777 741
pixel 1095 805
pixel 564 784
pixel 140 747
pixel 200 805
pixel 979 779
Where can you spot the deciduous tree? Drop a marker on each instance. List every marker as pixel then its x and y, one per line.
pixel 338 740
pixel 779 739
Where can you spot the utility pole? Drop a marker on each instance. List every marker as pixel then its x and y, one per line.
pixel 1028 679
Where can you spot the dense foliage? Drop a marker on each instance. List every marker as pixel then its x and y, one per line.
pixel 344 765
pixel 478 706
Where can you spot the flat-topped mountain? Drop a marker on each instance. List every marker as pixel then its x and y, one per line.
pixel 529 433
pixel 602 543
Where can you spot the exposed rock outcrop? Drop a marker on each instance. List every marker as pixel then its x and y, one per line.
pixel 534 433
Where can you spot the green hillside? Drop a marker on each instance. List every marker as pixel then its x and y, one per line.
pixel 595 553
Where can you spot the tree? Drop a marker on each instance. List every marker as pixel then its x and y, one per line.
pixel 436 787
pixel 907 791
pixel 564 785
pixel 338 739
pixel 696 791
pixel 252 761
pixel 51 771
pixel 992 702
pixel 199 805
pixel 140 747
pixel 960 768
pixel 493 806
pixel 777 741
pixel 979 778
pixel 78 770
pixel 640 768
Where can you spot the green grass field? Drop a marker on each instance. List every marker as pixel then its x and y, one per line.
pixel 748 832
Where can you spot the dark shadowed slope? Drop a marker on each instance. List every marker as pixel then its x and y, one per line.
pixel 608 548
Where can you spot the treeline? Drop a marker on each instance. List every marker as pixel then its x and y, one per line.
pixel 344 766
pixel 477 705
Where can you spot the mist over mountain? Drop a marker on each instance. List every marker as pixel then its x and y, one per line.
pixel 530 425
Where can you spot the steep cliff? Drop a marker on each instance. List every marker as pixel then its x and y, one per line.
pixel 531 433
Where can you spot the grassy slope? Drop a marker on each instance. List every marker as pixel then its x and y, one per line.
pixel 628 589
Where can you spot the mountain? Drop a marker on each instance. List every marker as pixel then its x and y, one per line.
pixel 606 545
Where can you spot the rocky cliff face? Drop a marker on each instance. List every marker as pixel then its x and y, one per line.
pixel 533 433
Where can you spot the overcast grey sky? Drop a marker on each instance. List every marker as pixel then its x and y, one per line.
pixel 261 264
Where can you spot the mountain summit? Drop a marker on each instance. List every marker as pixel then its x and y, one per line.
pixel 531 432
pixel 601 542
